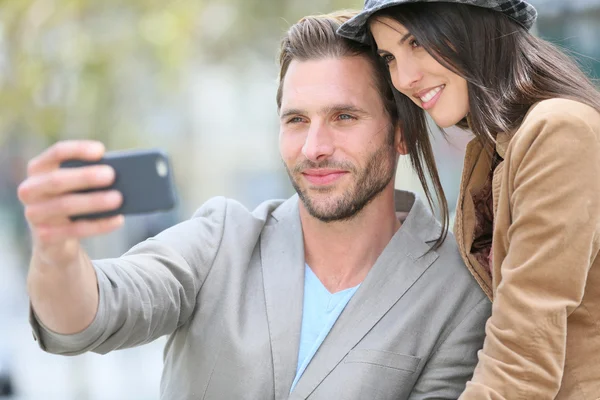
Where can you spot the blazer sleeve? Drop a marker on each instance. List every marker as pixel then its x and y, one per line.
pixel 452 364
pixel 554 236
pixel 149 291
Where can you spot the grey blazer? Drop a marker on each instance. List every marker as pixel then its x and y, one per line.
pixel 227 286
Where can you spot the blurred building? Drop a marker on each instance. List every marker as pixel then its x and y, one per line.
pixel 574 25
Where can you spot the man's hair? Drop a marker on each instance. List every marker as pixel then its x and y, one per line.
pixel 315 38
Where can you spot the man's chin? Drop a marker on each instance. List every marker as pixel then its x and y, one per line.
pixel 323 215
pixel 321 207
pixel 322 197
pixel 321 191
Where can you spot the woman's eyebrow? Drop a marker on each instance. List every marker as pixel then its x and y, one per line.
pixel 405 37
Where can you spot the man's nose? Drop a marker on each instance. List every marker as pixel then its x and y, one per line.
pixel 319 143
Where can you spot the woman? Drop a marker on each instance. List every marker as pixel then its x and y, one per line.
pixel 528 214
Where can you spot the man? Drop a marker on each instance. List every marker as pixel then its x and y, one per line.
pixel 336 293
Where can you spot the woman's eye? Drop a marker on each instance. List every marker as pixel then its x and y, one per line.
pixel 387 58
pixel 413 43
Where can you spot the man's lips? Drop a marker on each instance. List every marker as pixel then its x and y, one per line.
pixel 323 176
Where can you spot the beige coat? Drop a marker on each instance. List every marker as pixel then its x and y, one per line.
pixel 543 339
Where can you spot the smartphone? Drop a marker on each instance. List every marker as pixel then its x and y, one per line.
pixel 142 176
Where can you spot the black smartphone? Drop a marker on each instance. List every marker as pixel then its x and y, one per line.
pixel 142 176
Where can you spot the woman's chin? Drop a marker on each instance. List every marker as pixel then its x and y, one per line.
pixel 445 121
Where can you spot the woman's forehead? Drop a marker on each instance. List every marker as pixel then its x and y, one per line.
pixel 387 23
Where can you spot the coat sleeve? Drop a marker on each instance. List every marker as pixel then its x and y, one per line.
pixel 452 364
pixel 553 239
pixel 148 292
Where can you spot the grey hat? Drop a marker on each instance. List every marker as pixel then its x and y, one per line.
pixel 519 10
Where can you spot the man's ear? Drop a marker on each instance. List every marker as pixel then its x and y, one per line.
pixel 399 143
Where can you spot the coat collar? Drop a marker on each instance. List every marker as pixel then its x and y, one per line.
pixel 282 259
pixel 502 142
pixel 419 220
pixel 503 138
pixel 403 261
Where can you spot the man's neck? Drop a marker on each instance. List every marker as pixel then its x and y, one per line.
pixel 342 253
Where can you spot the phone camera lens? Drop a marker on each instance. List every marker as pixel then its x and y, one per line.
pixel 162 169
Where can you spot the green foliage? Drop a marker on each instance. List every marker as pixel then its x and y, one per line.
pixel 88 69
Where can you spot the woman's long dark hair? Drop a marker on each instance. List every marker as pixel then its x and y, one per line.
pixel 507 71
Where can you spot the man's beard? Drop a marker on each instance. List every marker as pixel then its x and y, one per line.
pixel 369 183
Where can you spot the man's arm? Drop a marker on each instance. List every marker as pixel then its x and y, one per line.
pixel 61 282
pixel 148 292
pixel 78 305
pixel 451 365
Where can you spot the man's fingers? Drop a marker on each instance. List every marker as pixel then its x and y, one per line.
pixel 87 150
pixel 51 194
pixel 64 180
pixel 60 208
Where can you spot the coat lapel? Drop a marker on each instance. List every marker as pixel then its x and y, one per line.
pixel 282 255
pixel 476 167
pixel 400 265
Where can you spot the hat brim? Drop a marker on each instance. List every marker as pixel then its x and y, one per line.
pixel 356 27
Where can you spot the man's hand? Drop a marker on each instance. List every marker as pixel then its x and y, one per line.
pixel 49 196
pixel 62 282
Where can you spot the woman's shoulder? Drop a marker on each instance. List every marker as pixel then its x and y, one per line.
pixel 558 118
pixel 562 110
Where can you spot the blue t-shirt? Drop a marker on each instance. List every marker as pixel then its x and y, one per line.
pixel 320 311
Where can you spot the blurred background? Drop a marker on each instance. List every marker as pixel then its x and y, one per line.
pixel 196 78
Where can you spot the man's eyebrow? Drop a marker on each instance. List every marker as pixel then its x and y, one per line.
pixel 349 108
pixel 290 112
pixel 336 108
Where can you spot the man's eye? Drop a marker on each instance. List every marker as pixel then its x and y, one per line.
pixel 345 117
pixel 294 120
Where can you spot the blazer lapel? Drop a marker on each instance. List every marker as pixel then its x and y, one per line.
pixel 282 255
pixel 477 165
pixel 400 265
